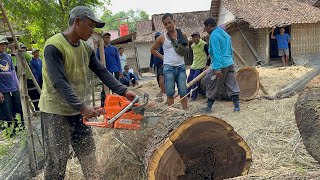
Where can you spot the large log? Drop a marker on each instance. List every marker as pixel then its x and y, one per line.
pixel 295 87
pixel 248 80
pixel 181 146
pixel 307 113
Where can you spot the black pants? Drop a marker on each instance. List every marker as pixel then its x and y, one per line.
pixel 58 133
pixel 103 94
pixel 11 106
pixel 126 81
pixel 33 94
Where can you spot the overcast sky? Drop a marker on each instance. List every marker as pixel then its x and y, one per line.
pixel 160 6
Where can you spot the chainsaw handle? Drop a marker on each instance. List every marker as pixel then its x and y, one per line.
pixel 102 112
pixel 135 100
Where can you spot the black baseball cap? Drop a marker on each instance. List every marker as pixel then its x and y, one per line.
pixel 195 33
pixel 85 11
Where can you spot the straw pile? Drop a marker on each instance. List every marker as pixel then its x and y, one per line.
pixel 267 126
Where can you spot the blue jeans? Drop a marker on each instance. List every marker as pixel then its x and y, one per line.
pixel 172 75
pixel 193 74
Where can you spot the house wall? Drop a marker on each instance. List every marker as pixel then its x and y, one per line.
pixel 143 51
pixel 240 44
pixel 305 39
pixel 129 51
pixel 262 43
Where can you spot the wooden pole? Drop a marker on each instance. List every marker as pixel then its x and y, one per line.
pixel 250 46
pixel 18 47
pixel 24 97
pixel 241 60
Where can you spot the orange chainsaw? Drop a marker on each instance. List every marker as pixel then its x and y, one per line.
pixel 120 113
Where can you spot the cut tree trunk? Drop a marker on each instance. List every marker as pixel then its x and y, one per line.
pixel 248 81
pixel 184 147
pixel 307 113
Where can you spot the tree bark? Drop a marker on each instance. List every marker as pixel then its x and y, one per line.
pixel 295 87
pixel 307 113
pixel 182 146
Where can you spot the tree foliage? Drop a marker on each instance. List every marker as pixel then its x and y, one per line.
pixel 129 17
pixel 38 20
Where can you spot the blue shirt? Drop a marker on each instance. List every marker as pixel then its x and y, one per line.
pixel 112 58
pixel 129 76
pixel 154 61
pixel 36 64
pixel 220 49
pixel 8 77
pixel 283 40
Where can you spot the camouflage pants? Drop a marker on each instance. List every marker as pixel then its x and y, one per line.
pixel 58 133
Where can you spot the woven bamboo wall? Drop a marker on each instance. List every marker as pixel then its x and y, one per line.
pixel 240 44
pixel 305 39
pixel 262 41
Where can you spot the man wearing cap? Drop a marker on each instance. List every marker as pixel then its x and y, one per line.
pixel 128 79
pixel 157 64
pixel 36 66
pixel 222 71
pixel 32 91
pixel 112 61
pixel 200 56
pixel 65 95
pixel 10 103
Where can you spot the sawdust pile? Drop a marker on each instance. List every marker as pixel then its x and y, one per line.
pixel 268 126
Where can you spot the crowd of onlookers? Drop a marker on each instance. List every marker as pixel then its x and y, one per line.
pixel 10 103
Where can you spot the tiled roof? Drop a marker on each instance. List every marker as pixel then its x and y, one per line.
pixel 271 13
pixel 143 27
pixel 188 22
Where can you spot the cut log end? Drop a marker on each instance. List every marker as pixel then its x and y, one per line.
pixel 203 147
pixel 248 80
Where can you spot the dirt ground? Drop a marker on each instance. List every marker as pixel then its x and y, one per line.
pixel 268 126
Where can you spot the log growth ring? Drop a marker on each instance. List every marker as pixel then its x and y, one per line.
pixel 201 147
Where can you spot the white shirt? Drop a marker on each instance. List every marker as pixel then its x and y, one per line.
pixel 123 60
pixel 171 57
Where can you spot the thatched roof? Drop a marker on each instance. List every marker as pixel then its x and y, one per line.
pixel 271 13
pixel 188 22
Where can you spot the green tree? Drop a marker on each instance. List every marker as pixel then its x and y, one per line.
pixel 129 17
pixel 38 20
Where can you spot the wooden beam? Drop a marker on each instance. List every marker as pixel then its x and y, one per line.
pixel 255 53
pixel 24 97
pixel 241 60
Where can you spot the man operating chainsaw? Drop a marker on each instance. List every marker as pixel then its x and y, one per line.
pixel 67 60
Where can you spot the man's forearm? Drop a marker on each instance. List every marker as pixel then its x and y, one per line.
pixel 157 54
